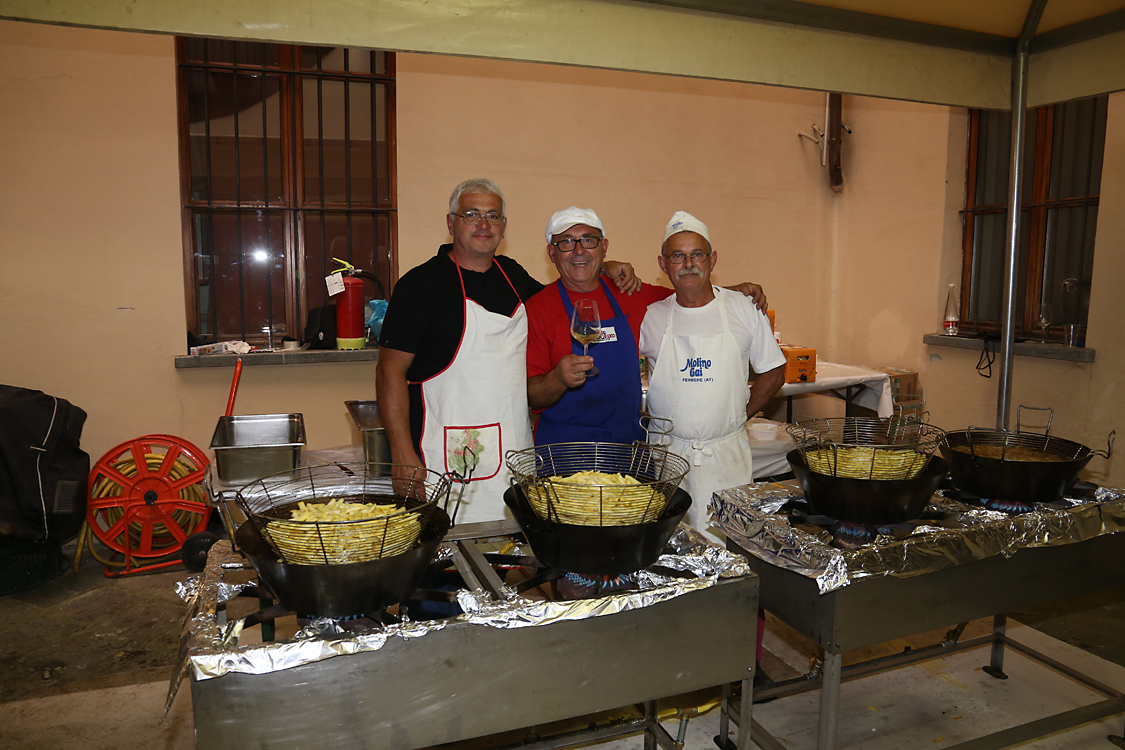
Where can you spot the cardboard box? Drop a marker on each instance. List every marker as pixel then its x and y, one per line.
pixel 223 347
pixel 800 363
pixel 771 316
pixel 903 381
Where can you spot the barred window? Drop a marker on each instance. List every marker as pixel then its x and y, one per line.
pixel 287 161
pixel 1058 217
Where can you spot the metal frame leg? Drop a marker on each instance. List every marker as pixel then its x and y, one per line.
pixel 724 717
pixel 829 701
pixel 996 662
pixel 746 708
pixel 651 719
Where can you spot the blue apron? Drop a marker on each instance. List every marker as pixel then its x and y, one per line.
pixel 605 408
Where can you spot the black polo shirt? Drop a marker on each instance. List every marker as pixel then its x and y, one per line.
pixel 426 314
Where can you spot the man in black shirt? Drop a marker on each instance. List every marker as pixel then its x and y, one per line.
pixel 452 372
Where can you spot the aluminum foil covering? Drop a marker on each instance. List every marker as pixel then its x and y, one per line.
pixel 210 650
pixel 224 592
pixel 750 516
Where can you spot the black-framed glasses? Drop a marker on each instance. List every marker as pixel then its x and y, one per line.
pixel 473 217
pixel 678 258
pixel 587 241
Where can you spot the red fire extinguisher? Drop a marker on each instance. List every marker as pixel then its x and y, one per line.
pixel 349 310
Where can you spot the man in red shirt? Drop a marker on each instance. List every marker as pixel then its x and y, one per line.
pixel 573 406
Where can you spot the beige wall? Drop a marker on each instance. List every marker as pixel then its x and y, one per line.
pixel 861 276
pixel 90 246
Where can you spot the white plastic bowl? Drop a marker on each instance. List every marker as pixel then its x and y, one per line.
pixel 765 430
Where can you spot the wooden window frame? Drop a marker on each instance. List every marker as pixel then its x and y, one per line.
pixel 295 204
pixel 1036 209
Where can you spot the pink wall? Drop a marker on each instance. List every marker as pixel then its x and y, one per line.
pixel 860 276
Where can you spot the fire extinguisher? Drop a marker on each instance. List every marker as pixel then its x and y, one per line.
pixel 349 310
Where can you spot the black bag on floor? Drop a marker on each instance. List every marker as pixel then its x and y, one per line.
pixel 43 471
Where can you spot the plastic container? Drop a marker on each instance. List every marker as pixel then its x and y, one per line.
pixel 766 430
pixel 253 446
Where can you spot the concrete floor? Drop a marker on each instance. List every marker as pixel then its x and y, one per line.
pixel 86 661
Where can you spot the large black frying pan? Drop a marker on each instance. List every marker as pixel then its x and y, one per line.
pixel 1020 481
pixel 596 550
pixel 343 590
pixel 870 501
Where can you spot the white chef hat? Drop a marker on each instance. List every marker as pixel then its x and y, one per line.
pixel 682 221
pixel 568 217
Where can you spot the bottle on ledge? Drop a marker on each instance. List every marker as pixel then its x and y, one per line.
pixel 952 313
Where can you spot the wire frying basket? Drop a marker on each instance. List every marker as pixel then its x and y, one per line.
pixel 345 532
pixel 649 475
pixel 866 448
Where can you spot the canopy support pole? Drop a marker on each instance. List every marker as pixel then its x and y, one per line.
pixel 1016 179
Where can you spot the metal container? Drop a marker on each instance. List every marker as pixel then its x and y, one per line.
pixel 871 501
pixel 596 550
pixel 1018 481
pixel 253 446
pixel 344 590
pixel 365 414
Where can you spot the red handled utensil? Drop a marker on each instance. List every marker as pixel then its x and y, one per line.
pixel 234 386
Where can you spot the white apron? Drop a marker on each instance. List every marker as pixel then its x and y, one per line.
pixel 701 383
pixel 476 408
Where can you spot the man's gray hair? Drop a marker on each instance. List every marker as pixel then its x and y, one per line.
pixel 476 185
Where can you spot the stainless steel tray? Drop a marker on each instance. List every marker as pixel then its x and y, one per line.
pixel 365 414
pixel 252 446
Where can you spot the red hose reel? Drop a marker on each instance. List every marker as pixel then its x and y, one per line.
pixel 146 499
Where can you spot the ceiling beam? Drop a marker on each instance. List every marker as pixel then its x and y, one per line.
pixel 853 22
pixel 1082 31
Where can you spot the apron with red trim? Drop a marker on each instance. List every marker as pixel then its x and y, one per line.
pixel 475 410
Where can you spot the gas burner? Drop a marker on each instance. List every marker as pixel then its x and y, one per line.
pixel 1011 507
pixel 849 535
pixel 576 586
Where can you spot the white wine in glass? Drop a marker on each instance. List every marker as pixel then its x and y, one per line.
pixel 586 327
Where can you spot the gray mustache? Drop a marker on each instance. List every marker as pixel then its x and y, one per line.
pixel 693 271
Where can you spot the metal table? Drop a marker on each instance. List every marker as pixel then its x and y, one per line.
pixel 470 680
pixel 878 609
pixel 848 383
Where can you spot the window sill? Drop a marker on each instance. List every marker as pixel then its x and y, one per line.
pixel 297 357
pixel 1023 349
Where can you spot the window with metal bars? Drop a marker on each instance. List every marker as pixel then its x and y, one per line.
pixel 287 160
pixel 1058 217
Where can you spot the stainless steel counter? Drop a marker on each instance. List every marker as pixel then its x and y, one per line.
pixel 879 609
pixel 465 679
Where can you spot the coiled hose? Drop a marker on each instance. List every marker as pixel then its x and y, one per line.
pixel 162 538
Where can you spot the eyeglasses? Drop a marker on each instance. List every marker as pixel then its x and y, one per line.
pixel 588 241
pixel 473 217
pixel 678 258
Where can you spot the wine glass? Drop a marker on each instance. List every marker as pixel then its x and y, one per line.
pixel 1046 317
pixel 585 327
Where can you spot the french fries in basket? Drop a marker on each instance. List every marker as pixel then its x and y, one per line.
pixel 595 498
pixel 866 462
pixel 339 532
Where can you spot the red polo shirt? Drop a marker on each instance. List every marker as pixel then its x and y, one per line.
pixel 548 325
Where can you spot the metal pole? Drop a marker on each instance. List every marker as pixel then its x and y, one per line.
pixel 1015 188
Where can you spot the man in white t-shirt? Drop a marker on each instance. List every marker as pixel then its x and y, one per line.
pixel 700 345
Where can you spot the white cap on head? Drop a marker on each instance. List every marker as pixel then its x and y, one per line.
pixel 682 221
pixel 568 217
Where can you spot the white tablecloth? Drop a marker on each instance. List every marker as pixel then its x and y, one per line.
pixel 875 395
pixel 769 455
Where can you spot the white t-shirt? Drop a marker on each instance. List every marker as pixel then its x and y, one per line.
pixel 749 326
